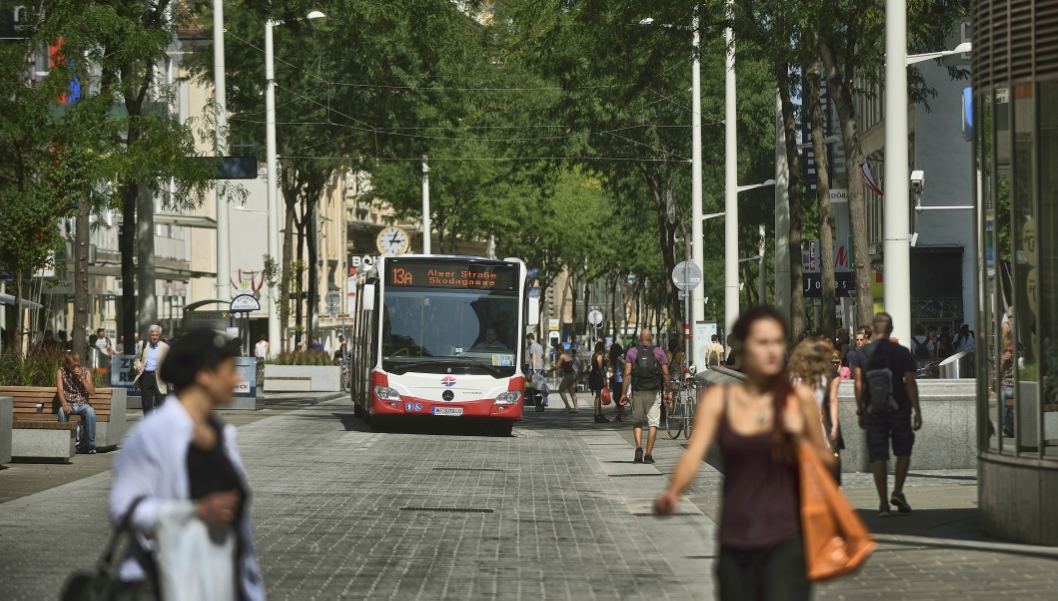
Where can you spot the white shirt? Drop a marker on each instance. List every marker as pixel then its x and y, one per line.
pixel 152 464
pixel 261 350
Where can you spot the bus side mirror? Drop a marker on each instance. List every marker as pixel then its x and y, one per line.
pixel 533 308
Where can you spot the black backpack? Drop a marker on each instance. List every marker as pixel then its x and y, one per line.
pixel 880 397
pixel 921 349
pixel 646 372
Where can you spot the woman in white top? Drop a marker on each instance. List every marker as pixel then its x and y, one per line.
pixel 180 469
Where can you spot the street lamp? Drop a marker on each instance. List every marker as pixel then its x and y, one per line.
pixel 270 158
pixel 697 242
pixel 896 245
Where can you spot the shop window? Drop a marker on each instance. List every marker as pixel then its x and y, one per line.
pixel 1024 255
pixel 988 336
pixel 1047 280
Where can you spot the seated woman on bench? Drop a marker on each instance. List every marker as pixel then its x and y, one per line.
pixel 74 386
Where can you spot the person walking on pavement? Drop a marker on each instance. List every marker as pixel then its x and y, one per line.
pixel 73 386
pixel 617 364
pixel 597 379
pixel 714 353
pixel 149 358
pixel 535 353
pixel 183 460
pixel 646 373
pixel 758 424
pixel 569 377
pixel 886 394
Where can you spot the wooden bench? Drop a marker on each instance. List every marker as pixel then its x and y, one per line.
pixel 40 436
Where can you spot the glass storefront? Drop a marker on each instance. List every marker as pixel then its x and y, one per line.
pixel 1016 163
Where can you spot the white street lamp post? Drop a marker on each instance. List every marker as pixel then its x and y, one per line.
pixel 221 134
pixel 730 184
pixel 896 246
pixel 697 312
pixel 274 333
pixel 426 224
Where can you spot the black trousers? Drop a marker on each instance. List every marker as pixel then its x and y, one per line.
pixel 151 397
pixel 774 574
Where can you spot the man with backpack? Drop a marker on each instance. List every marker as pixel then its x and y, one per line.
pixel 886 394
pixel 646 373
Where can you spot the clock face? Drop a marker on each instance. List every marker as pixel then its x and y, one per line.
pixel 392 240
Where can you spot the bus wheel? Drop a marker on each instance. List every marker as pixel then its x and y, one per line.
pixel 504 429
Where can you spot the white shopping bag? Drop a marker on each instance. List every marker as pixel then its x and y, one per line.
pixel 191 566
pixel 539 382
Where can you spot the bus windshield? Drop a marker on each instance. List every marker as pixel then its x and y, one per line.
pixel 433 330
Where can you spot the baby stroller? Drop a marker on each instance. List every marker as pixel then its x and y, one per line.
pixel 537 393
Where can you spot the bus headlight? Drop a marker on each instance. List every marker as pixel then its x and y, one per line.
pixel 508 398
pixel 385 393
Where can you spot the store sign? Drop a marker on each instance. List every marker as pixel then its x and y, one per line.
pixel 812 285
pixel 810 257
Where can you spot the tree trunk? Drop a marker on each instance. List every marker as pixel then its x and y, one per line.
pixel 313 302
pixel 299 326
pixel 826 234
pixel 127 246
pixel 146 304
pixel 842 97
pixel 18 338
pixel 797 323
pixel 78 336
pixel 284 289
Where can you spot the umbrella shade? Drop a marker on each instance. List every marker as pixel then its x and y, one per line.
pixel 9 300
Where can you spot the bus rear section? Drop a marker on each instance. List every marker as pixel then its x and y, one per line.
pixel 446 340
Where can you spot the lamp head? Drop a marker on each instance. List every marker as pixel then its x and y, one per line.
pixel 315 15
pixel 964 47
pixel 646 21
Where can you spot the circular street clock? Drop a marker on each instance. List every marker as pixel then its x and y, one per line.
pixel 392 240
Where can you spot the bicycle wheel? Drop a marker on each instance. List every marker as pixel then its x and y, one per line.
pixel 688 414
pixel 674 417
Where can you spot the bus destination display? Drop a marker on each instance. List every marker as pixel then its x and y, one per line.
pixel 452 275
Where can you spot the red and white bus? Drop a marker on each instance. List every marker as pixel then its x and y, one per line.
pixel 440 336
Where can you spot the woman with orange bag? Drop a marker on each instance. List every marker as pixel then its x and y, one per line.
pixel 759 424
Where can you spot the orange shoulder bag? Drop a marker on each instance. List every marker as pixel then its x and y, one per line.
pixel 836 540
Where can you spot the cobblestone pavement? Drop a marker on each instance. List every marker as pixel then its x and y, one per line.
pixel 557 511
pixel 936 552
pixel 345 512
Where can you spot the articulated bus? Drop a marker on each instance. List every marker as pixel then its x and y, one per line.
pixel 440 336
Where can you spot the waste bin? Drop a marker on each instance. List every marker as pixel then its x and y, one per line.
pixel 98 360
pixel 957 366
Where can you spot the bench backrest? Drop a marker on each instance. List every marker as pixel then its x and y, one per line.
pixel 27 397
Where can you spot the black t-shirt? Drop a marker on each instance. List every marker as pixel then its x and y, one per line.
pixel 856 358
pixel 212 471
pixel 900 362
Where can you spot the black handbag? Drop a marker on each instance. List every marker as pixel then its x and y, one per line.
pixel 102 584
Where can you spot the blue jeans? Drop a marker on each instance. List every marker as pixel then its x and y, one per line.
pixel 88 414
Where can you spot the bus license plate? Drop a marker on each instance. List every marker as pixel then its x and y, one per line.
pixel 448 411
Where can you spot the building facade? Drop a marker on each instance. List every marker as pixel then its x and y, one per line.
pixel 1015 163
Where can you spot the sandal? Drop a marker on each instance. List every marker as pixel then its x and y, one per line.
pixel 566 410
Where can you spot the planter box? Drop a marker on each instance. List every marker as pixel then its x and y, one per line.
pixel 302 378
pixel 6 406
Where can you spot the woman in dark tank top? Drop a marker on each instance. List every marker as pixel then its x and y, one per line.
pixel 758 424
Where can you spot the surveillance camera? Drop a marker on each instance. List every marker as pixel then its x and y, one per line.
pixel 918 181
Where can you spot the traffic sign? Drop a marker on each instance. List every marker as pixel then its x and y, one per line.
pixel 686 275
pixel 333 298
pixel 595 317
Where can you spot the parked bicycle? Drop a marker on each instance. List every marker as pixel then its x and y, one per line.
pixel 680 414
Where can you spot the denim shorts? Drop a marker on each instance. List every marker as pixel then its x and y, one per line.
pixel 880 428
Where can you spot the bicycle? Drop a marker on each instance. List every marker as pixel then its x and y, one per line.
pixel 680 416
